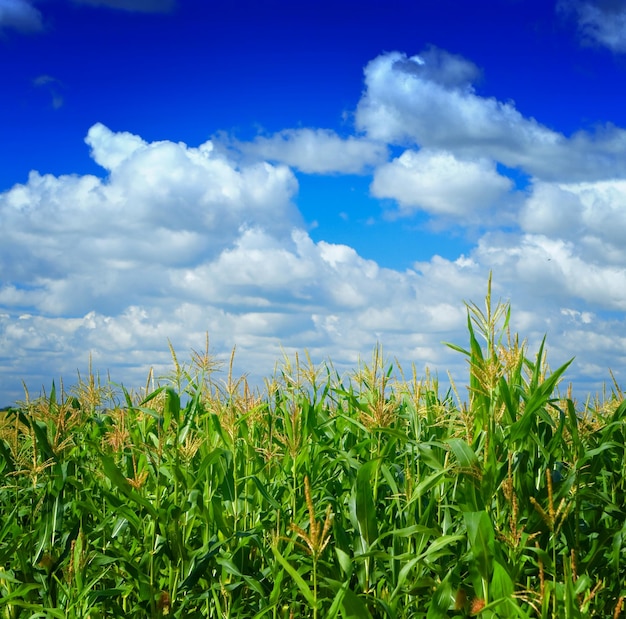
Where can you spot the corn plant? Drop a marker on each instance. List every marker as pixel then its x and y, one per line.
pixel 362 495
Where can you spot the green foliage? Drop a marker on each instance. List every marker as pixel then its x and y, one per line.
pixel 323 496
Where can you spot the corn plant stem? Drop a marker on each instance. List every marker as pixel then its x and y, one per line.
pixel 153 540
pixel 554 579
pixel 293 485
pixel 315 586
pixel 235 488
pixel 247 474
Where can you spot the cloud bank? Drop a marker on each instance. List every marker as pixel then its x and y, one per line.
pixel 180 240
pixel 317 151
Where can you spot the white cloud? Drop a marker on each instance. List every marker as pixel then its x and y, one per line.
pixel 549 268
pixel 20 15
pixel 317 151
pixel 404 100
pixel 110 149
pixel 441 184
pixel 601 22
pixel 407 101
pixel 163 205
pixel 592 214
pixel 577 316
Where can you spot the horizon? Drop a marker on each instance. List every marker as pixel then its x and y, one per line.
pixel 321 177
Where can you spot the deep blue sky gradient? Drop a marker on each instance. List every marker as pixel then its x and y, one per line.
pixel 248 67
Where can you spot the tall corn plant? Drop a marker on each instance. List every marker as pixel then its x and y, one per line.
pixel 524 480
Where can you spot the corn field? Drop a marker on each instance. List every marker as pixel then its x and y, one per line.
pixel 368 495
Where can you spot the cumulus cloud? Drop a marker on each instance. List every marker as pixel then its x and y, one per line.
pixel 109 149
pixel 441 184
pixel 140 6
pixel 590 214
pixel 568 209
pixel 407 101
pixel 317 151
pixel 600 23
pixel 19 15
pixel 176 241
pixel 163 204
pixel 545 267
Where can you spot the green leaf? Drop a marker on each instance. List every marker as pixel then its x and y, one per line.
pixel 345 561
pixel 353 607
pixel 511 403
pixel 43 444
pixel 465 455
pixel 440 546
pixel 266 495
pixel 123 485
pixel 365 507
pixel 428 452
pixel 171 409
pixel 470 471
pixel 537 397
pixel 199 568
pixel 619 413
pixel 426 484
pixel 304 588
pixel 442 599
pixel 501 583
pixel 457 348
pixel 5 452
pixel 481 538
pixel 573 426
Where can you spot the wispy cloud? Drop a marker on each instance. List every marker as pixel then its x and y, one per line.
pixel 317 151
pixel 600 22
pixel 52 84
pixel 20 15
pixel 138 6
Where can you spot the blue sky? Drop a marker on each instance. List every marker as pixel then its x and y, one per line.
pixel 311 175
